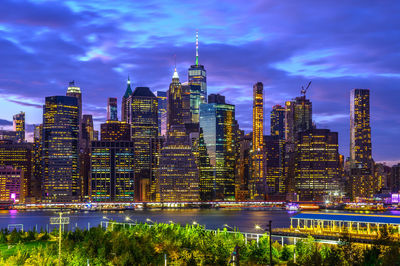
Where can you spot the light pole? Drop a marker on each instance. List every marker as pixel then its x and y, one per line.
pixel 269 228
pixel 230 227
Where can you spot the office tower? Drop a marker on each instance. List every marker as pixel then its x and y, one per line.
pixel 11 182
pixel 144 122
pixel 360 144
pixel 317 168
pixel 162 112
pixel 9 135
pixel 244 165
pixel 178 174
pixel 175 102
pixel 197 75
pixel 112 113
pixel 186 114
pixel 258 183
pixel 18 155
pixel 217 119
pixel 19 126
pixel 395 179
pixel 95 135
pixel 112 176
pixel 298 117
pixel 74 91
pixel 37 166
pixel 115 131
pixel 274 164
pixel 125 104
pixel 61 174
pixel 278 121
pixel 382 175
pixel 87 138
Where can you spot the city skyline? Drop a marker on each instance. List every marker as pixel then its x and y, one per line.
pixel 351 54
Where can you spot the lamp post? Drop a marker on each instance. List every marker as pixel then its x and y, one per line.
pixel 230 227
pixel 269 228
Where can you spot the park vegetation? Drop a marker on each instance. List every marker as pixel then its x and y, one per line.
pixel 143 244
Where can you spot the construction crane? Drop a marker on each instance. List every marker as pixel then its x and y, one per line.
pixel 304 91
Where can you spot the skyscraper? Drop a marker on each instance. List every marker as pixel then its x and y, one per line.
pixel 144 122
pixel 112 177
pixel 125 104
pixel 19 126
pixel 274 164
pixel 11 184
pixel 197 74
pixel 317 165
pixel 112 113
pixel 74 91
pixel 37 167
pixel 162 112
pixel 258 183
pixel 278 121
pixel 217 119
pixel 86 139
pixel 61 179
pixel 298 117
pixel 360 144
pixel 178 174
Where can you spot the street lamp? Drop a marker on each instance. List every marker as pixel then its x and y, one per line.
pixel 227 226
pixel 269 228
pixel 105 218
pixel 171 222
pixel 127 218
pixel 149 220
pixel 194 223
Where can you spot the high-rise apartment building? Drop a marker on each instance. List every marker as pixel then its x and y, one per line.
pixel 217 119
pixel 144 122
pixel 61 176
pixel 11 184
pixel 274 165
pixel 197 75
pixel 19 126
pixel 258 182
pixel 112 111
pixel 125 103
pixel 112 175
pixel 162 112
pixel 361 173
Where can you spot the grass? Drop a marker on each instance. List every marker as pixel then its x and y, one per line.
pixel 7 250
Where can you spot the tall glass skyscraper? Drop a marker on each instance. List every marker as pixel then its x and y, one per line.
pixel 112 111
pixel 19 126
pixel 144 122
pixel 360 144
pixel 197 74
pixel 162 112
pixel 278 121
pixel 217 119
pixel 61 180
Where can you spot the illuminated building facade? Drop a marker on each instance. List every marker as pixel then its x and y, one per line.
pixel 186 111
pixel 11 182
pixel 317 166
pixel 144 122
pixel 37 167
pixel 162 112
pixel 87 138
pixel 217 119
pixel 274 164
pixel 395 179
pixel 19 126
pixel 125 104
pixel 8 135
pixel 112 175
pixel 245 164
pixel 61 176
pixel 112 111
pixel 258 182
pixel 197 75
pixel 178 173
pixel 278 121
pixel 19 156
pixel 115 131
pixel 74 91
pixel 361 174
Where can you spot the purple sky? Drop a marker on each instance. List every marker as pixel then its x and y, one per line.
pixel 337 44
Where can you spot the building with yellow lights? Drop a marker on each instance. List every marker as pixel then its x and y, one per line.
pixel 19 126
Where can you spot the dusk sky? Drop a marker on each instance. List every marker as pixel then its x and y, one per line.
pixel 284 44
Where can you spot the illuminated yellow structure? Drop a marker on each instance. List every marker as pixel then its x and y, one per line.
pixel 361 175
pixel 112 177
pixel 317 171
pixel 61 176
pixel 11 181
pixel 19 126
pixel 115 131
pixel 258 183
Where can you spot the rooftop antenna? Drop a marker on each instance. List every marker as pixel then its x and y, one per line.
pixel 197 47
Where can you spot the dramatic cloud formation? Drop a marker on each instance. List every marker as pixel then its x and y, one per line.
pixel 284 44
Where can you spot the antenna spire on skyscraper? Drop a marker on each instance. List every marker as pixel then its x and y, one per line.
pixel 197 47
